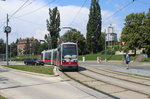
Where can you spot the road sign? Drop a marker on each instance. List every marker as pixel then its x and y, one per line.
pixel 123 43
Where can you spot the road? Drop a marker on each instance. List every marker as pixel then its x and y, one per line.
pixel 20 85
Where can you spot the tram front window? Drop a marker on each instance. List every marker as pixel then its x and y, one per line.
pixel 69 50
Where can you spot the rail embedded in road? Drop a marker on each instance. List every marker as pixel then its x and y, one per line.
pixel 113 84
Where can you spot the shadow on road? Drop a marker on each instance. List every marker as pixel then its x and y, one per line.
pixel 38 84
pixel 79 69
pixel 3 70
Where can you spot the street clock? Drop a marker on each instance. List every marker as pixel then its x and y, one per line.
pixel 7 29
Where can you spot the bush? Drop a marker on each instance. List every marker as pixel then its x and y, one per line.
pixel 21 58
pixel 146 60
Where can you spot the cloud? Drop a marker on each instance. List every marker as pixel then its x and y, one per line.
pixel 34 24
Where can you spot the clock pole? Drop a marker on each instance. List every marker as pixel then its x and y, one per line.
pixel 7 30
pixel 7 43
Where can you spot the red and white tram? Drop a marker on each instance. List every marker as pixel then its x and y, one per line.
pixel 65 57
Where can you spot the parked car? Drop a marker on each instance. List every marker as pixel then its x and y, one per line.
pixel 33 61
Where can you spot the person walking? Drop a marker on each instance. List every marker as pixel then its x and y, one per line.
pixel 127 60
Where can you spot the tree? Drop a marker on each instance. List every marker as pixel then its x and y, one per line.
pixel 136 32
pixel 145 31
pixel 34 46
pixel 2 46
pixel 27 47
pixel 53 27
pixel 75 36
pixel 131 31
pixel 13 48
pixel 93 36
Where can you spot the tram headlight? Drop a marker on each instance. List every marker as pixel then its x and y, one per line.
pixel 75 60
pixel 63 61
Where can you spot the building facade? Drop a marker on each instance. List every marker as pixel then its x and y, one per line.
pixel 111 37
pixel 22 44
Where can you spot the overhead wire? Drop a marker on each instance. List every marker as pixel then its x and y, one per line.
pixel 74 18
pixel 33 11
pixel 19 8
pixel 27 21
pixel 119 10
pixel 16 11
pixel 144 3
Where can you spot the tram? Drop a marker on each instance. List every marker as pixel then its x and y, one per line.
pixel 65 57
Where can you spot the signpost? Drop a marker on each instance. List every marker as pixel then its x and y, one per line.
pixel 123 43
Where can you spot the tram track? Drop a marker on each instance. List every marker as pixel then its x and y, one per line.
pixel 116 91
pixel 126 74
pixel 98 71
pixel 79 81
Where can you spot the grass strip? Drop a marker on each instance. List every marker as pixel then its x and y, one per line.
pixel 1 97
pixel 37 69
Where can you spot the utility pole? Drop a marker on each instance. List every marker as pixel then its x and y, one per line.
pixel 7 30
pixel 105 47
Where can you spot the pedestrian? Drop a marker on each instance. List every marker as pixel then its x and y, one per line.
pixel 127 60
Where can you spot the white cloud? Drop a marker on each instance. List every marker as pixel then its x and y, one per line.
pixel 34 25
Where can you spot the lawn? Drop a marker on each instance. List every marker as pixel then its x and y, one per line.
pixel 94 57
pixel 1 97
pixel 37 69
pixel 109 57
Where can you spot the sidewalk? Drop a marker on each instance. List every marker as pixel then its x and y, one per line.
pixel 135 71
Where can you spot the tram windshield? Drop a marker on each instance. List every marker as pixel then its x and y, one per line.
pixel 69 51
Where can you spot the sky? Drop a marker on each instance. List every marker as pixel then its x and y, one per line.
pixel 30 19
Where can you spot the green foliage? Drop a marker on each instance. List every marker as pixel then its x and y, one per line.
pixel 53 27
pixel 1 97
pixel 75 36
pixel 146 34
pixel 146 60
pixel 13 48
pixel 27 47
pixel 2 46
pixel 36 69
pixel 94 57
pixel 136 32
pixel 21 58
pixel 93 36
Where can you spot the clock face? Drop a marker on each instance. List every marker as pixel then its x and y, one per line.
pixel 7 29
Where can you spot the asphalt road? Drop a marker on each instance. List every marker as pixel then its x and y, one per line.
pixel 20 85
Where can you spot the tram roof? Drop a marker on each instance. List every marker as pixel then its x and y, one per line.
pixel 68 43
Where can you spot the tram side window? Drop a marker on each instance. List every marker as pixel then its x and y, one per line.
pixel 49 56
pixel 59 54
pixel 42 56
pixel 46 56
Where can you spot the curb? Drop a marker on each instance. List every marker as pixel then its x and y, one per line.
pixel 33 73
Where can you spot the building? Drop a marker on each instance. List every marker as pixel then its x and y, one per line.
pixel 111 37
pixel 22 44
